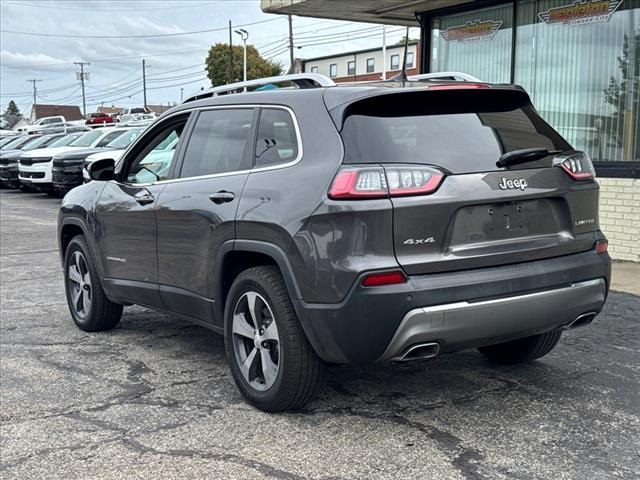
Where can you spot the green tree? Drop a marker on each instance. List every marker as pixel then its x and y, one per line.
pixel 617 92
pixel 217 64
pixel 13 109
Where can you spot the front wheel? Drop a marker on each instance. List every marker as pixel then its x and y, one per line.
pixel 524 349
pixel 90 308
pixel 271 360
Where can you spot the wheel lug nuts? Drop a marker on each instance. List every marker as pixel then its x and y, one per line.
pixel 264 344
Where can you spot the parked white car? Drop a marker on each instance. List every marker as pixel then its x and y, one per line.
pixel 35 166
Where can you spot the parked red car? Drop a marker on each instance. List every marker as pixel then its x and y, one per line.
pixel 99 119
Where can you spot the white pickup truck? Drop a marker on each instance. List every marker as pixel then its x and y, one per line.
pixel 43 123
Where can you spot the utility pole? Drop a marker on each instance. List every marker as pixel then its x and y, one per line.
pixel 291 43
pixel 82 77
pixel 144 82
pixel 384 52
pixel 230 54
pixel 181 93
pixel 35 89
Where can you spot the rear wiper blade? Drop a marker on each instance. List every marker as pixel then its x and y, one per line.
pixel 524 155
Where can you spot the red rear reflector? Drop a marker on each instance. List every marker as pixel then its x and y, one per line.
pixel 383 278
pixel 601 246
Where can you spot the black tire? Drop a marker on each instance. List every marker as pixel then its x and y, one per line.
pixel 299 369
pixel 102 314
pixel 524 349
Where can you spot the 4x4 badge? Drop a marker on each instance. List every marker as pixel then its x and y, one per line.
pixel 520 183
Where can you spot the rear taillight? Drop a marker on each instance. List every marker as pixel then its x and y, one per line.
pixel 384 278
pixel 360 182
pixel 602 246
pixel 578 165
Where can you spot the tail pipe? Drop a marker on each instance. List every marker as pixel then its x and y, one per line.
pixel 419 351
pixel 581 320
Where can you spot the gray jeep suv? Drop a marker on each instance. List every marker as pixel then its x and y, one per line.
pixel 343 224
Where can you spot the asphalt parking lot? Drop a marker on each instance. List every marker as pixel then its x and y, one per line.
pixel 154 398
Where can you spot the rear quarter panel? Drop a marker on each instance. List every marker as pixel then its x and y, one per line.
pixel 287 207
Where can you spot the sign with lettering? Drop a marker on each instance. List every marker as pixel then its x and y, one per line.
pixel 472 31
pixel 581 12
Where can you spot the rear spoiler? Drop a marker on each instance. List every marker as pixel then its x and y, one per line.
pixel 439 98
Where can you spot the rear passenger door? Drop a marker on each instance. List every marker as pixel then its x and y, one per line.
pixel 196 211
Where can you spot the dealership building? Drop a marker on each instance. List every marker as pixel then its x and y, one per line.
pixel 579 60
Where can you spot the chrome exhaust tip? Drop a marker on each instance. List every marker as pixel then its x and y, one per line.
pixel 581 320
pixel 419 351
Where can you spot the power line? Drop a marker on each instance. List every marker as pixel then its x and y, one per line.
pixel 157 35
pixel 58 7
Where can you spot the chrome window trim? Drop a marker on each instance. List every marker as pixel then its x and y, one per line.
pixel 236 172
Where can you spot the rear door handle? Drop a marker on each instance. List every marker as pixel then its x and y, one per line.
pixel 145 199
pixel 221 197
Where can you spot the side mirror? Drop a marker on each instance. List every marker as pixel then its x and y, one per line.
pixel 102 170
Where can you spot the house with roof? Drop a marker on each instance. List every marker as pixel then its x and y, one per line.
pixel 69 112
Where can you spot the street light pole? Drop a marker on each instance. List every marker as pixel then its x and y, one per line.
pixel 244 35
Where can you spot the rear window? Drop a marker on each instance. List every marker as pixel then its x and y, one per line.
pixel 459 131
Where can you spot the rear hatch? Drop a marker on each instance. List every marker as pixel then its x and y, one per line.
pixel 478 214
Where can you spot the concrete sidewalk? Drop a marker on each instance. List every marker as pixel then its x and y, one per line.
pixel 625 277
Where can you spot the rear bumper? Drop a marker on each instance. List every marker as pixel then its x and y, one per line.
pixel 459 310
pixel 455 326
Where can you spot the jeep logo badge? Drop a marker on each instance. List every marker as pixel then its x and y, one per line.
pixel 520 183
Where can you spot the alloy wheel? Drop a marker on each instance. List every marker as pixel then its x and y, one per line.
pixel 256 343
pixel 79 285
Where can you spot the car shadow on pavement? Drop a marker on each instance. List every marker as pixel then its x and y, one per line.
pixel 453 379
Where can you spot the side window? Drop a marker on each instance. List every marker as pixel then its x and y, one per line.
pixel 218 142
pixel 276 141
pixel 154 161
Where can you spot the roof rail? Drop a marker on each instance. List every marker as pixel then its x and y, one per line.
pixel 302 80
pixel 455 76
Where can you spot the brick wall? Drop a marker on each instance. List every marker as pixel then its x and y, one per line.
pixel 620 216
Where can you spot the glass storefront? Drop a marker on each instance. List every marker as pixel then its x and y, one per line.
pixel 579 61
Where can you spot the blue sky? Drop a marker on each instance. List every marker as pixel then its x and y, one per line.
pixel 174 62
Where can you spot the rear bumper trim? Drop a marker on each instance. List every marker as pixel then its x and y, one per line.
pixel 460 325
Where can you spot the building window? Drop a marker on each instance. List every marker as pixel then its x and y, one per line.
pixel 314 69
pixel 486 55
pixel 409 59
pixel 351 67
pixel 333 70
pixel 371 65
pixel 395 62
pixel 583 89
pixel 580 82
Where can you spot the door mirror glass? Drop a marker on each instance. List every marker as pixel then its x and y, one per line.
pixel 101 170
